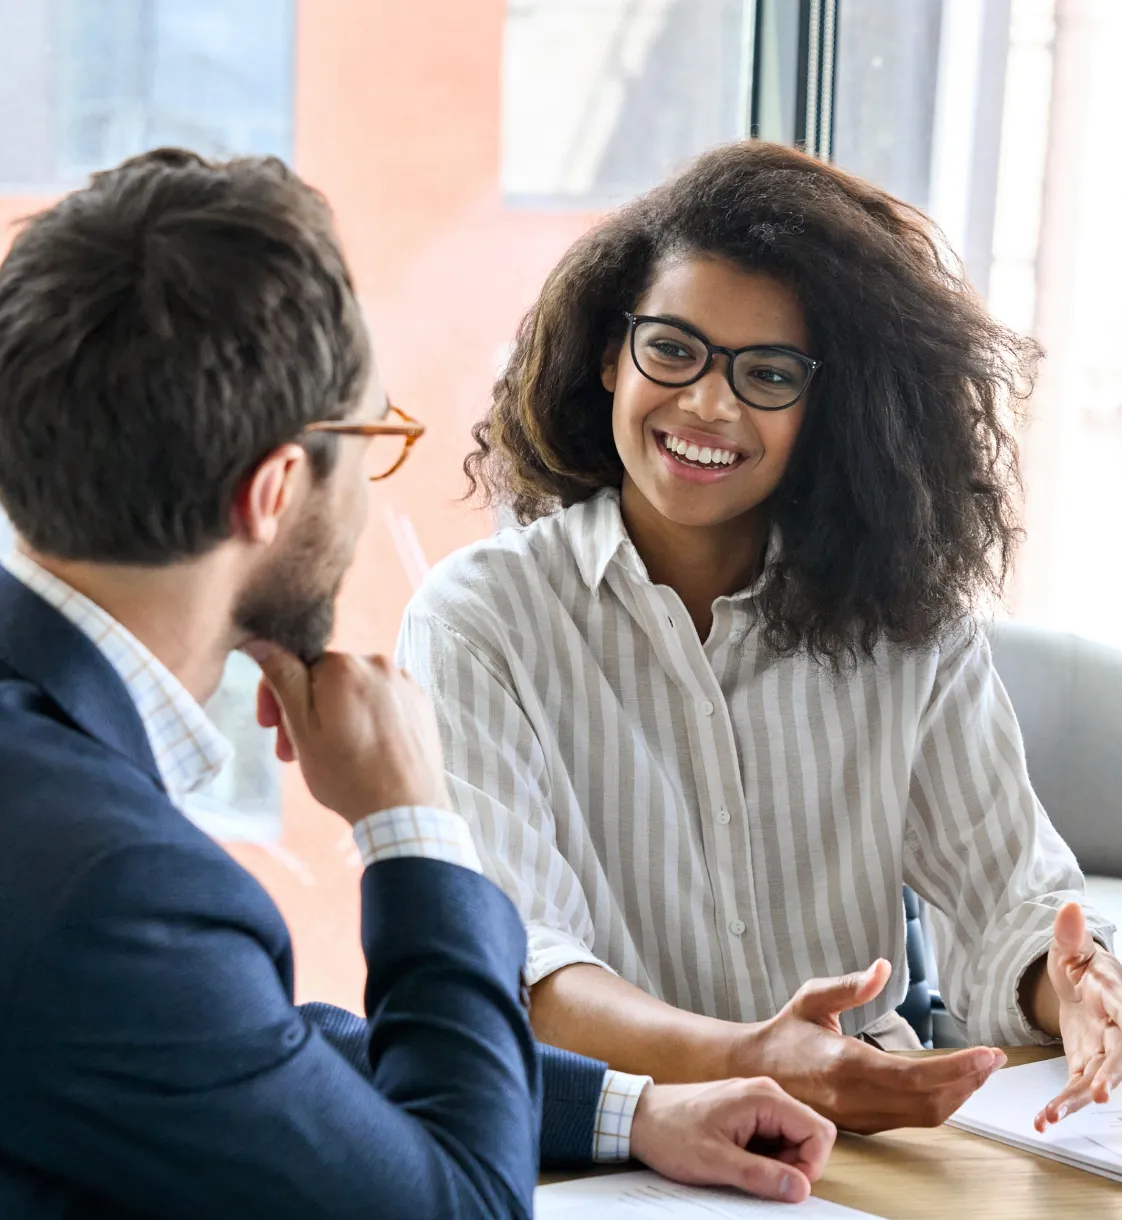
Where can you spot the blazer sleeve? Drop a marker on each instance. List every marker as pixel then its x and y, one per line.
pixel 571 1085
pixel 571 1090
pixel 154 1058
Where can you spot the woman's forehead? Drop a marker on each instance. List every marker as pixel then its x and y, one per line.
pixel 733 307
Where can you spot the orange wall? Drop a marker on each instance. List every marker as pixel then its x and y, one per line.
pixel 397 121
pixel 13 208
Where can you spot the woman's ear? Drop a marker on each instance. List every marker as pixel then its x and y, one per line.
pixel 609 366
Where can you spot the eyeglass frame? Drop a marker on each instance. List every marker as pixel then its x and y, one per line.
pixel 412 429
pixel 712 349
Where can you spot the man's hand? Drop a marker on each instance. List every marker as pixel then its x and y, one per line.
pixel 743 1133
pixel 363 732
pixel 1087 981
pixel 853 1084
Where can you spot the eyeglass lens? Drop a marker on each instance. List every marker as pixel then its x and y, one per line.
pixel 384 454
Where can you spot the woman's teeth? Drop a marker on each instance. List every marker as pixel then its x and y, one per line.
pixel 699 455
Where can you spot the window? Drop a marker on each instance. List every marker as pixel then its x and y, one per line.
pixel 604 98
pixel 775 86
pixel 86 83
pixel 884 116
pixel 793 54
pixel 244 802
pixel 919 110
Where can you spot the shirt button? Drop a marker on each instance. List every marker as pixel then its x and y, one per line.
pixel 737 927
pixel 724 817
pixel 705 707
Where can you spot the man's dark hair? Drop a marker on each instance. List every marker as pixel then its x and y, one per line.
pixel 161 331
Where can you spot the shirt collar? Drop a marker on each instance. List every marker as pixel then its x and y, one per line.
pixel 599 537
pixel 188 749
pixel 597 534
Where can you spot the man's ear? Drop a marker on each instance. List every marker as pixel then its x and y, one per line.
pixel 268 492
pixel 609 366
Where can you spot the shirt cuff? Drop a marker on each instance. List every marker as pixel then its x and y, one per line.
pixel 415 830
pixel 1034 947
pixel 615 1112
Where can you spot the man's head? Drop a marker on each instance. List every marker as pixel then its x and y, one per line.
pixel 166 336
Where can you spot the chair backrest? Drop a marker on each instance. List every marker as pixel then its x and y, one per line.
pixel 916 1008
pixel 1067 694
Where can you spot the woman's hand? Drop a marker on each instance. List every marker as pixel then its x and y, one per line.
pixel 743 1133
pixel 1087 981
pixel 857 1086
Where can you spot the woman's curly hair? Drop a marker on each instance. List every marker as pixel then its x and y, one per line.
pixel 898 510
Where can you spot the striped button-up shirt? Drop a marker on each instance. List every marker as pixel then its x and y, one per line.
pixel 189 752
pixel 718 824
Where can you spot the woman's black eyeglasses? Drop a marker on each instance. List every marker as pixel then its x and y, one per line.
pixel 673 353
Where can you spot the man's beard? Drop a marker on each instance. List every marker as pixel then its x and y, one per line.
pixel 293 603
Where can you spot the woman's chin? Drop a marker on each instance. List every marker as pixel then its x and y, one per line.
pixel 685 504
pixel 698 511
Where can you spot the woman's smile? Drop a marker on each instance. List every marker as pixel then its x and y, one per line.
pixel 698 457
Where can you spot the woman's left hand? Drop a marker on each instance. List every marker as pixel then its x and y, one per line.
pixel 1088 984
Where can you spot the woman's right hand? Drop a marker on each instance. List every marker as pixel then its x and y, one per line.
pixel 857 1086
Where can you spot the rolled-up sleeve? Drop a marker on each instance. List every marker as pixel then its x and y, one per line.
pixel 980 849
pixel 499 780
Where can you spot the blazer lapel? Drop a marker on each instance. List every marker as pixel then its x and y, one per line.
pixel 50 652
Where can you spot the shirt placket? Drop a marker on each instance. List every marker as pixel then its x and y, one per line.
pixel 720 796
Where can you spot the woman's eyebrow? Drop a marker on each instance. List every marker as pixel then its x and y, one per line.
pixel 678 320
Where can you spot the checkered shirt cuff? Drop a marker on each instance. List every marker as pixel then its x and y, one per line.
pixel 413 830
pixel 619 1095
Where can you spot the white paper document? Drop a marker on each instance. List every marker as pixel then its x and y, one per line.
pixel 627 1196
pixel 1005 1106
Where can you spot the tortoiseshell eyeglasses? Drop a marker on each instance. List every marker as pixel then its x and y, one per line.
pixel 394 439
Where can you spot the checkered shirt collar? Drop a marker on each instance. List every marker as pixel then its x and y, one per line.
pixel 188 749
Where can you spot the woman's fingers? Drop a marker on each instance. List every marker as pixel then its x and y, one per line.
pixel 1075 1096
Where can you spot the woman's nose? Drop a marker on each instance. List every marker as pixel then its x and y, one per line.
pixel 711 398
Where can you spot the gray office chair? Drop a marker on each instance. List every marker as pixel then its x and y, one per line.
pixel 1067 693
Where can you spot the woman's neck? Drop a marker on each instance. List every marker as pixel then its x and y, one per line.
pixel 700 563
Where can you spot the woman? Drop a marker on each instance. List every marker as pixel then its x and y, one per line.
pixel 725 693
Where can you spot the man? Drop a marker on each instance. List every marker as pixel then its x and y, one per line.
pixel 183 430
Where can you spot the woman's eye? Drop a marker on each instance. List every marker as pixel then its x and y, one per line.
pixel 672 350
pixel 771 376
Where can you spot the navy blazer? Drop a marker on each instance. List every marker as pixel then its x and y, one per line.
pixel 151 1060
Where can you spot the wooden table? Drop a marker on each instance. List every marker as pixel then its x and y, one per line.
pixel 944 1174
